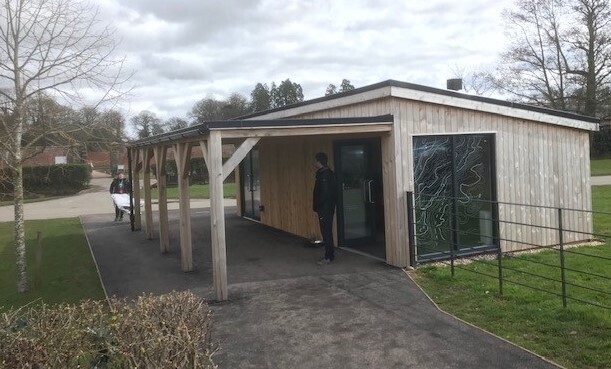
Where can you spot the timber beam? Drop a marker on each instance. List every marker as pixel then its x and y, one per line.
pixel 182 154
pixel 160 153
pixel 146 178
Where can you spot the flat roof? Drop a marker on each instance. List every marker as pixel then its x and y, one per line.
pixel 393 89
pixel 237 124
pixel 438 91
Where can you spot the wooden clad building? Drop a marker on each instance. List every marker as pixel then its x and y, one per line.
pixel 463 161
pixel 535 157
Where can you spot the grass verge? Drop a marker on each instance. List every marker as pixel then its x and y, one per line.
pixel 600 167
pixel 198 191
pixel 67 272
pixel 578 336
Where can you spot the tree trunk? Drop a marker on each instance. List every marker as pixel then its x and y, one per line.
pixel 22 276
pixel 591 87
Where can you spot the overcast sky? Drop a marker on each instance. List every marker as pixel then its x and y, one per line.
pixel 186 50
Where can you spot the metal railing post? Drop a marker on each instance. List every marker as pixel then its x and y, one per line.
pixel 496 237
pixel 454 225
pixel 561 244
pixel 411 229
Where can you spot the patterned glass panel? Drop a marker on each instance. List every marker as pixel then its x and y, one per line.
pixel 433 190
pixel 450 169
pixel 473 192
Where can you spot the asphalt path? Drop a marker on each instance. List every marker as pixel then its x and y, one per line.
pixel 285 311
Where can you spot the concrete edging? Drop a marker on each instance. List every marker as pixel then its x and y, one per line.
pixel 95 262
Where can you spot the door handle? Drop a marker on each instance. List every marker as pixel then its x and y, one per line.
pixel 249 182
pixel 369 191
pixel 364 191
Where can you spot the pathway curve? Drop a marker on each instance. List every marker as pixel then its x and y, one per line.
pixel 93 201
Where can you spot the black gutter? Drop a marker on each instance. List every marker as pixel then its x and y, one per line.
pixel 438 91
pixel 204 128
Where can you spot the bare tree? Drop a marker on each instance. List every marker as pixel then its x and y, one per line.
pixel 590 48
pixel 112 132
pixel 147 124
pixel 206 109
pixel 236 105
pixel 477 81
pixel 331 90
pixel 54 47
pixel 560 54
pixel 175 123
pixel 209 108
pixel 346 86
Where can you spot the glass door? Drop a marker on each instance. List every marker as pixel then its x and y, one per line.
pixel 360 201
pixel 251 192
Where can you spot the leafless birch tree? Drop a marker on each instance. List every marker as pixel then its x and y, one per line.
pixel 48 47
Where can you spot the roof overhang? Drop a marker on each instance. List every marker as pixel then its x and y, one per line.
pixel 271 128
pixel 500 107
pixel 419 93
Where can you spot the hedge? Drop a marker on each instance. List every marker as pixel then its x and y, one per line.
pixel 49 180
pixel 167 331
pixel 198 173
pixel 600 143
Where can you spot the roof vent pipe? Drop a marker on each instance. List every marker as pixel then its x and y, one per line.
pixel 454 84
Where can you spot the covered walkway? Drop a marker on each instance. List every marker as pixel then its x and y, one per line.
pixel 131 265
pixel 209 138
pixel 285 311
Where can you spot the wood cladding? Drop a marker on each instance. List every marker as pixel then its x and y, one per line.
pixel 287 181
pixel 536 164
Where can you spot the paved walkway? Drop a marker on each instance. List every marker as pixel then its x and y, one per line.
pixel 600 180
pixel 94 201
pixel 287 312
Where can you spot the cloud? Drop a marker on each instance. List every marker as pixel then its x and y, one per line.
pixel 184 50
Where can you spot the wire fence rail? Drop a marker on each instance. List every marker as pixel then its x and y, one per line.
pixel 579 274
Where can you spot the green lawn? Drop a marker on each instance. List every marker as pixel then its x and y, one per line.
pixel 67 272
pixel 199 191
pixel 600 167
pixel 29 201
pixel 601 201
pixel 578 336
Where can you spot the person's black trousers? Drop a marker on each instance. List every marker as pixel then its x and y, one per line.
pixel 325 219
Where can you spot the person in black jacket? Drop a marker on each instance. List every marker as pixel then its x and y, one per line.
pixel 119 185
pixel 324 201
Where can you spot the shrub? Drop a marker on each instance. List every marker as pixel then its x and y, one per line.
pixel 169 331
pixel 600 142
pixel 52 336
pixel 63 179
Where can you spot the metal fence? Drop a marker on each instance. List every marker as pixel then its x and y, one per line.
pixel 444 234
